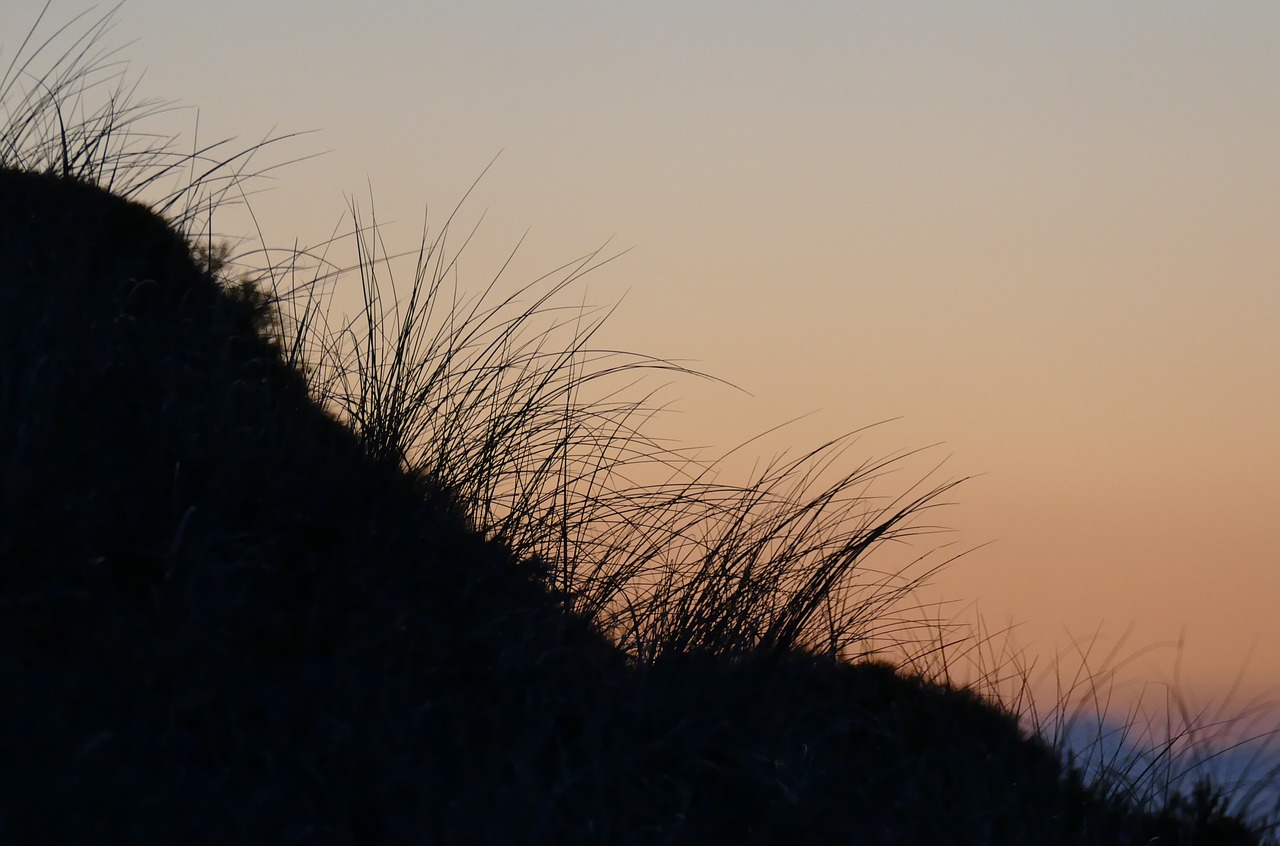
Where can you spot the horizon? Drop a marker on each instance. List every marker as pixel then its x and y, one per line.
pixel 1058 268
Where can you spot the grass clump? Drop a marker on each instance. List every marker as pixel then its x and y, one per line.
pixel 273 577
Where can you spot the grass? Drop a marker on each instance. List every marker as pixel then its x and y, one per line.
pixel 275 576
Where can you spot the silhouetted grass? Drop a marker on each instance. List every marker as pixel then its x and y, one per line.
pixel 268 576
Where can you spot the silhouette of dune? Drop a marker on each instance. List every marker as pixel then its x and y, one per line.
pixel 224 622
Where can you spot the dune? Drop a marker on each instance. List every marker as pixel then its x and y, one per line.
pixel 228 619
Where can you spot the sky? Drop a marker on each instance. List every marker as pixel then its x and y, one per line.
pixel 1038 238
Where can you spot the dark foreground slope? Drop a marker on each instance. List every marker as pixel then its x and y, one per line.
pixel 220 622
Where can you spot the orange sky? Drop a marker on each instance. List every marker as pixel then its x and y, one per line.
pixel 1044 237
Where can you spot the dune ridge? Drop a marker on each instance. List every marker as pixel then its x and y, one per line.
pixel 227 621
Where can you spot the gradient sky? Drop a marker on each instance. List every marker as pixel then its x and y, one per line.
pixel 1044 236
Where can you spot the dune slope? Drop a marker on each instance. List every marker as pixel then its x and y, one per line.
pixel 223 622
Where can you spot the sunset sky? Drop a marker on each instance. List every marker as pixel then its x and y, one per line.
pixel 1045 237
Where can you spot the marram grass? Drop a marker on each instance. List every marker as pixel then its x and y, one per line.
pixel 271 576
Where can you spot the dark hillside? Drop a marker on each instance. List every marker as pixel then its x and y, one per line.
pixel 199 563
pixel 223 623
